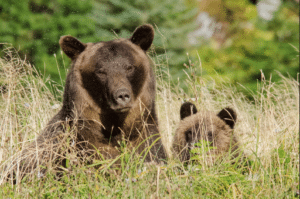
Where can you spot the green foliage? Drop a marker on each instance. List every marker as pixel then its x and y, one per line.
pixel 35 26
pixel 274 172
pixel 199 151
pixel 219 181
pixel 202 147
pixel 174 20
pixel 253 46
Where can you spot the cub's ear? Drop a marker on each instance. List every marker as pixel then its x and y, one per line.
pixel 187 109
pixel 71 46
pixel 143 36
pixel 228 115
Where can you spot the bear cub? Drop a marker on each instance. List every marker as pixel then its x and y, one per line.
pixel 217 130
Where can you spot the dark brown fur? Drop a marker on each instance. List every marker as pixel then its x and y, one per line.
pixel 216 129
pixel 109 97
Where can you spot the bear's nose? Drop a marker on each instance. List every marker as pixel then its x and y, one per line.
pixel 122 96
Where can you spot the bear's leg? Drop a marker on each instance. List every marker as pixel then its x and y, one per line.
pixel 149 145
pixel 157 150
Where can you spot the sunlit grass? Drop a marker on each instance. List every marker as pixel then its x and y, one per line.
pixel 267 128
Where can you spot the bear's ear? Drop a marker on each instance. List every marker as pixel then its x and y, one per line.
pixel 143 36
pixel 228 115
pixel 71 46
pixel 187 109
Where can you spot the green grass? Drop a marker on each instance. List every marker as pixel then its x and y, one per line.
pixel 267 128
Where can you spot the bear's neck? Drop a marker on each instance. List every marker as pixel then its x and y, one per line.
pixel 67 111
pixel 77 103
pixel 113 123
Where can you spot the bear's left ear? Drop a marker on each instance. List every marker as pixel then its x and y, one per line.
pixel 143 36
pixel 228 115
pixel 187 109
pixel 71 46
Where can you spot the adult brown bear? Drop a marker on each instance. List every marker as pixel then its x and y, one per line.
pixel 217 130
pixel 109 97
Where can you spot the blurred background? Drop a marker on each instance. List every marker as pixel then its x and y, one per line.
pixel 228 40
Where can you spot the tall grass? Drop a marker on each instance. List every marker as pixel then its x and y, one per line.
pixel 267 128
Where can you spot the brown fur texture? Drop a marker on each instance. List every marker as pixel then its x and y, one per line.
pixel 109 97
pixel 196 126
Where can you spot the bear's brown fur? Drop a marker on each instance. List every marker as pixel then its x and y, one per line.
pixel 110 89
pixel 196 126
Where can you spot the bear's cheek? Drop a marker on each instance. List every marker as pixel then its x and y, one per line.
pixel 94 85
pixel 210 136
pixel 137 80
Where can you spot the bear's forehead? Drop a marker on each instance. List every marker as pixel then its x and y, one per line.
pixel 115 49
pixel 202 121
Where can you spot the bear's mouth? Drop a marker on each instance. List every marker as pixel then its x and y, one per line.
pixel 118 107
pixel 122 110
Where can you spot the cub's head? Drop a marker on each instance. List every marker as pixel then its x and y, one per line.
pixel 113 72
pixel 195 126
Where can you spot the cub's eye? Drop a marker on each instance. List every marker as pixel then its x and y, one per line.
pixel 209 133
pixel 188 136
pixel 209 136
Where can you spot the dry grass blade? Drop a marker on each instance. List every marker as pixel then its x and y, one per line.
pixel 267 128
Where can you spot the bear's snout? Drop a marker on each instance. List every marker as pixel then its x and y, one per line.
pixel 123 98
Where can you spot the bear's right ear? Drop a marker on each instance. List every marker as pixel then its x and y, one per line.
pixel 187 109
pixel 228 115
pixel 71 46
pixel 143 36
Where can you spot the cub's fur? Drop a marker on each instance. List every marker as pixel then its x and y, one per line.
pixel 214 129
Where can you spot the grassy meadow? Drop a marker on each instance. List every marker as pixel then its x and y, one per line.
pixel 267 128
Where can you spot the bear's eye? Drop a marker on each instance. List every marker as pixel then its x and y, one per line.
pixel 100 72
pixel 210 136
pixel 129 69
pixel 209 133
pixel 188 136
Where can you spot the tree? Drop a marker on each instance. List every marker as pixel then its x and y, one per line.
pixel 35 26
pixel 253 44
pixel 173 18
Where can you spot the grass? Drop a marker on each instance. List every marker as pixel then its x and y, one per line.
pixel 267 128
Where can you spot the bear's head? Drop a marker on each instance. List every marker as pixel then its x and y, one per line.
pixel 112 73
pixel 207 126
